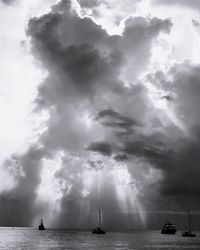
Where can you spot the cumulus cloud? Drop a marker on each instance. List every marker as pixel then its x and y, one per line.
pixel 89 58
pixel 84 65
pixel 87 75
pixel 109 11
pixel 102 117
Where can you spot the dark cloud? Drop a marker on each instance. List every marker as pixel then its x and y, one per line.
pixel 113 119
pixel 178 163
pixel 97 165
pixel 84 62
pixel 100 147
pixel 16 206
pixel 78 68
pixel 121 157
pixel 149 147
pixel 173 153
pixel 180 169
pixel 118 118
pixel 88 60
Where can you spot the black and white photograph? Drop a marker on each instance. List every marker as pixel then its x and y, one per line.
pixel 100 124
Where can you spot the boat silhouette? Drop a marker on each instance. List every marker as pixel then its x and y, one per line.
pixel 168 228
pixel 99 230
pixel 41 226
pixel 189 233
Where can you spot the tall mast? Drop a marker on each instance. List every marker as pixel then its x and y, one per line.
pixel 99 217
pixel 189 221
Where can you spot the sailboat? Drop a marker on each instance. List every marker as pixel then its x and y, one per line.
pixel 41 226
pixel 99 230
pixel 189 233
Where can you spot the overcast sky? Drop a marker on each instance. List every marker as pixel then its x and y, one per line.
pixel 99 107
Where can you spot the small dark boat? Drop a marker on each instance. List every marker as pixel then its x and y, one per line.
pixel 99 230
pixel 168 228
pixel 41 226
pixel 189 233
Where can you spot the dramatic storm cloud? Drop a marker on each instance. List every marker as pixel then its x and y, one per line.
pixel 111 119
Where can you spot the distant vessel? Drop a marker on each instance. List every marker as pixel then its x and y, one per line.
pixel 41 226
pixel 99 230
pixel 189 233
pixel 168 228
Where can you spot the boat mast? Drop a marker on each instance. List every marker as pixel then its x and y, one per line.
pixel 99 217
pixel 189 221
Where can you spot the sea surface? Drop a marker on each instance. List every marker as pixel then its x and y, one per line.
pixel 32 239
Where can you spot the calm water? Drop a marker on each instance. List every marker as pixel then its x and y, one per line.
pixel 32 239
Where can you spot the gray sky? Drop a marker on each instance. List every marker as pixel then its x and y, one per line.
pixel 101 108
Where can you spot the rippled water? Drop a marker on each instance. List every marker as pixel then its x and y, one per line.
pixel 32 239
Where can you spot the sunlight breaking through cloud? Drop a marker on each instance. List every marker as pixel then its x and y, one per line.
pixel 99 106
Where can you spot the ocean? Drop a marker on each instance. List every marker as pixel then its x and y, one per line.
pixel 32 239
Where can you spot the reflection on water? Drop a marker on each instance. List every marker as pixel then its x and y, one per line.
pixel 32 239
